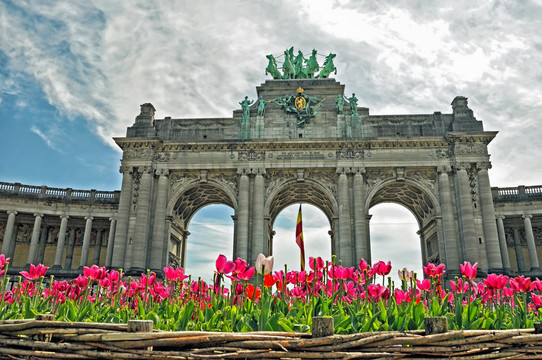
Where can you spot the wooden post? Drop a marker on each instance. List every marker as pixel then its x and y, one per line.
pixel 436 325
pixel 140 326
pixel 322 326
pixel 44 317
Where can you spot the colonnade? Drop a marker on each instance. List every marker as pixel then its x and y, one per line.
pixel 44 227
pixel 513 232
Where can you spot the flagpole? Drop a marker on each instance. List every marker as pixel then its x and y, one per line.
pixel 299 237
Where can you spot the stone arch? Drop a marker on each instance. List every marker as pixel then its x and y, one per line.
pixel 307 191
pixel 188 199
pixel 410 193
pixel 420 200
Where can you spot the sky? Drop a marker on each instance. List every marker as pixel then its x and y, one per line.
pixel 73 74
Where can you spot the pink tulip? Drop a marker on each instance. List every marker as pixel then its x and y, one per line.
pixel 382 268
pixel 94 272
pixel 537 300
pixel 460 286
pixel 223 265
pixel 521 284
pixel 468 270
pixel 424 285
pixel 363 265
pixel 3 262
pixel 35 272
pixel 494 281
pixel 318 261
pixel 432 270
pixel 405 275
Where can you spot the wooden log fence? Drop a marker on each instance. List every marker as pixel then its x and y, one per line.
pixel 46 339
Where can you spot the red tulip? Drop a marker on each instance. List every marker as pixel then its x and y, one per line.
pixel 521 284
pixel 224 266
pixel 494 281
pixel 424 285
pixel 381 268
pixel 434 270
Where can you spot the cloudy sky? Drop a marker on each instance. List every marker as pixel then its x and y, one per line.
pixel 73 74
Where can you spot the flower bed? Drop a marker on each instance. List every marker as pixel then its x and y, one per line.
pixel 357 299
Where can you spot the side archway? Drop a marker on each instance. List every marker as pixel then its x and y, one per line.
pixel 423 204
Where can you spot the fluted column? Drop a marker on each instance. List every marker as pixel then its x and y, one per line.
pixel 139 246
pixel 35 238
pixel 519 251
pixel 361 240
pixel 86 242
pixel 69 253
pixel 110 242
pixel 242 217
pixel 493 250
pixel 123 217
pixel 259 241
pixel 159 239
pixel 97 247
pixel 502 243
pixel 345 233
pixel 183 247
pixel 8 234
pixel 61 241
pixel 533 256
pixel 448 224
pixel 470 243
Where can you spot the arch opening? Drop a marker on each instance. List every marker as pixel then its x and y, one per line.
pixel 394 238
pixel 316 236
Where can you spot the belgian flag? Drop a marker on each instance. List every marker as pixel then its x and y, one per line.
pixel 299 238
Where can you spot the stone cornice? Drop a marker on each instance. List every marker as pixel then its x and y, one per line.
pixel 484 137
pixel 125 143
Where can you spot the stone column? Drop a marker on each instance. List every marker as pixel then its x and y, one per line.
pixel 494 256
pixel 502 243
pixel 470 243
pixel 159 240
pixel 123 216
pixel 368 231
pixel 8 234
pixel 69 253
pixel 86 242
pixel 61 240
pixel 345 233
pixel 35 239
pixel 183 248
pixel 448 224
pixel 259 240
pixel 361 241
pixel 519 250
pixel 529 236
pixel 139 246
pixel 110 242
pixel 242 217
pixel 44 237
pixel 97 247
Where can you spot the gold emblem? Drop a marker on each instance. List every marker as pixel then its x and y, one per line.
pixel 300 102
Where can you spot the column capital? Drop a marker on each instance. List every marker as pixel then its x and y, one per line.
pixel 38 214
pixel 527 216
pixel 502 217
pixel 161 172
pixel 483 165
pixel 64 216
pixel 344 170
pixel 89 217
pixel 145 170
pixel 444 169
pixel 244 171
pixel 462 166
pixel 126 170
pixel 359 171
pixel 113 218
pixel 14 212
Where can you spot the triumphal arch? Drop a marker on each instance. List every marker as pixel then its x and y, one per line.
pixel 304 140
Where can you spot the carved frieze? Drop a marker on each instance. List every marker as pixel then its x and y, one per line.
pixel 277 177
pixel 251 155
pixel 228 179
pixel 379 175
pixel 327 179
pixel 145 153
pixel 470 148
pixel 350 153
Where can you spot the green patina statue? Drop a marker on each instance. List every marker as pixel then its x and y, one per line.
pixel 272 67
pixel 329 67
pixel 261 106
pixel 303 106
pixel 339 103
pixel 298 67
pixel 353 105
pixel 244 122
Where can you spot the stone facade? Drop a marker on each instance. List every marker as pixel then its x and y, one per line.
pixel 342 160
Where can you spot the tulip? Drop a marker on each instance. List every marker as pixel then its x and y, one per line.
pixel 468 270
pixel 494 281
pixel 223 265
pixel 424 285
pixel 94 272
pixel 264 264
pixel 433 270
pixel 521 284
pixel 381 268
pixel 35 272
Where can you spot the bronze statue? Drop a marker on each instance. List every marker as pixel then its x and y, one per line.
pixel 328 68
pixel 288 69
pixel 312 65
pixel 353 105
pixel 339 103
pixel 261 106
pixel 272 67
